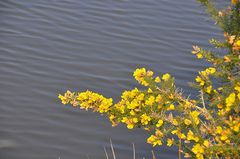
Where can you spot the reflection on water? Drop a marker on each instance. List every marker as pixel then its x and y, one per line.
pixel 49 46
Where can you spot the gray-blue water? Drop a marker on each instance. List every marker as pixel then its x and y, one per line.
pixel 49 46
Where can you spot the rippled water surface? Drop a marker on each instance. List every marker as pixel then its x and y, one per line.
pixel 49 46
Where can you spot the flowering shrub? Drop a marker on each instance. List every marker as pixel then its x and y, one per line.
pixel 207 127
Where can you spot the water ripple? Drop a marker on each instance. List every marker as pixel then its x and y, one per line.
pixel 50 46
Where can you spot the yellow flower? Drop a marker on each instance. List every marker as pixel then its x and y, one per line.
pixel 187 105
pixel 181 136
pixel 147 128
pixel 130 122
pixel 159 123
pixel 200 80
pixel 234 2
pixel 140 97
pixel 158 98
pixel 206 143
pixel 175 122
pixel 132 113
pixel 145 119
pixel 166 77
pixel 150 100
pixel 154 140
pixel 191 136
pixel 158 133
pixel 199 55
pixel 224 137
pixel 187 122
pixel 237 88
pixel 234 124
pixel 238 42
pixel 63 99
pixel 140 74
pixel 194 114
pixel 209 89
pixel 230 100
pixel 174 132
pixel 150 90
pixel 171 107
pixel 135 120
pixel 170 142
pixel 236 127
pixel 219 130
pixel 111 117
pixel 157 79
pixel 130 126
pixel 210 70
pixel 149 73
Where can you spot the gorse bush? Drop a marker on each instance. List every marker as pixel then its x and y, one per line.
pixel 204 127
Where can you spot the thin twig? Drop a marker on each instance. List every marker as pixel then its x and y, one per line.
pixel 106 153
pixel 114 156
pixel 134 151
pixel 154 157
pixel 203 102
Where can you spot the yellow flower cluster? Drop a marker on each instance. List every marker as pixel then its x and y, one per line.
pixel 94 101
pixel 159 123
pixel 67 98
pixel 233 39
pixel 170 142
pixel 143 76
pixel 191 136
pixel 206 127
pixel 145 119
pixel 130 122
pixel 203 75
pixel 148 109
pixel 233 123
pixel 230 100
pixel 87 100
pixel 194 115
pixel 156 139
pixel 166 77
pixel 204 81
pixel 197 51
pixel 198 150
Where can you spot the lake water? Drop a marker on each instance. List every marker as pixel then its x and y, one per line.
pixel 49 46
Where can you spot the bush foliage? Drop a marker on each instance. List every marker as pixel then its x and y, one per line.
pixel 204 127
